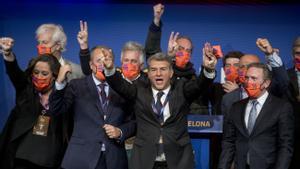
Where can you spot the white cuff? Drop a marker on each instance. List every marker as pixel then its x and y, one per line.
pixel 209 75
pixel 60 86
pixel 110 72
pixel 274 60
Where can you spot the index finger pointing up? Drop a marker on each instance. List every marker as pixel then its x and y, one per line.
pixel 81 25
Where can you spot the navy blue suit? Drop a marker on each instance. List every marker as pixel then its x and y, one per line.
pixel 84 149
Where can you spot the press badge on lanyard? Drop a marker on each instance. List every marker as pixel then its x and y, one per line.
pixel 42 125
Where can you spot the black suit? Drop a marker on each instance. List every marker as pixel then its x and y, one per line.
pixel 270 145
pixel 177 145
pixel 84 149
pixel 294 97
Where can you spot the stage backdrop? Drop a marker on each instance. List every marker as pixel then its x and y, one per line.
pixel 232 27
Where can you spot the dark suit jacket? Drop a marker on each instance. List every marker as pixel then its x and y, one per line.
pixel 228 99
pixel 177 145
pixel 293 96
pixel 277 88
pixel 44 151
pixel 270 144
pixel 88 135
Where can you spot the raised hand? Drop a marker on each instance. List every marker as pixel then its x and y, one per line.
pixel 6 44
pixel 172 45
pixel 82 36
pixel 108 61
pixel 158 10
pixel 62 75
pixel 209 59
pixel 265 46
pixel 112 131
pixel 229 86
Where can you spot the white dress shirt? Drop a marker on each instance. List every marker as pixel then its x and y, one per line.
pixel 261 100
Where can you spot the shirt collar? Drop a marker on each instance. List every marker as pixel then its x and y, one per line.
pixel 166 91
pixel 261 100
pixel 96 81
pixel 61 61
pixel 297 72
pixel 130 81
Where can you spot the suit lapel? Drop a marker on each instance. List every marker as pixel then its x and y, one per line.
pixel 172 104
pixel 94 94
pixel 243 108
pixel 266 107
pixel 149 98
pixel 111 96
pixel 294 81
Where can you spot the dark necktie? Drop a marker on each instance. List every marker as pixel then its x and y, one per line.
pixel 103 94
pixel 159 106
pixel 160 116
pixel 251 122
pixel 252 116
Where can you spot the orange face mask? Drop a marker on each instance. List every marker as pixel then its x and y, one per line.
pixel 43 50
pixel 182 58
pixel 242 74
pixel 99 73
pixel 41 84
pixel 297 63
pixel 253 89
pixel 130 71
pixel 231 73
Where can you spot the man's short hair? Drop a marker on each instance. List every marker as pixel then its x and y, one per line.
pixel 160 57
pixel 232 54
pixel 58 34
pixel 296 44
pixel 101 47
pixel 266 72
pixel 187 38
pixel 133 46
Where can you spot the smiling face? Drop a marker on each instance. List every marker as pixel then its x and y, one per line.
pixel 160 74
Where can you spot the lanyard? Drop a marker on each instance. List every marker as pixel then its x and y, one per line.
pixel 160 114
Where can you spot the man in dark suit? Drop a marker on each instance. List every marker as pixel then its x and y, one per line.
pixel 293 95
pixel 259 130
pixel 273 62
pixel 162 140
pixel 100 124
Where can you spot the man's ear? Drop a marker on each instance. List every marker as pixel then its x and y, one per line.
pixel 266 83
pixel 91 65
pixel 141 66
pixel 172 72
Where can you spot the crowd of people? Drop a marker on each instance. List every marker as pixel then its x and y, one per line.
pixel 74 116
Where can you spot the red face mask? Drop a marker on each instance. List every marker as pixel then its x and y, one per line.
pixel 253 89
pixel 182 58
pixel 41 84
pixel 43 50
pixel 231 73
pixel 130 71
pixel 99 73
pixel 242 74
pixel 297 63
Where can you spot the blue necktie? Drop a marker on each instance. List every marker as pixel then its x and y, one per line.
pixel 160 116
pixel 252 116
pixel 159 106
pixel 103 95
